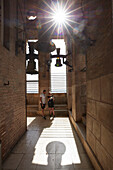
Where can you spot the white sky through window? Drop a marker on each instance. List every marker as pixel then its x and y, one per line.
pixel 58 74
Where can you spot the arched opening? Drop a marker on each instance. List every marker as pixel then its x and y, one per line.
pixel 58 74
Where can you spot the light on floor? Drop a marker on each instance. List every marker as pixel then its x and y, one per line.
pixel 57 142
pixel 30 120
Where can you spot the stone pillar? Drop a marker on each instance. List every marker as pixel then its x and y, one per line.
pixel 78 83
pixel 69 74
pixel 44 74
pixel 69 90
pixel 73 83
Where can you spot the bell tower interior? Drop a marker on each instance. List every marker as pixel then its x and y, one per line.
pixel 64 47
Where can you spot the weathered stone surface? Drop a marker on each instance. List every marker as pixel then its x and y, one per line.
pixel 95 89
pixel 73 102
pixel 107 140
pixel 91 139
pixel 91 108
pixel 83 100
pixel 89 90
pixel 33 99
pixel 79 81
pixel 107 88
pixel 105 114
pixel 99 58
pixel 96 129
pixel 79 108
pixel 89 122
pixel 12 99
pixel 105 160
pixel 69 90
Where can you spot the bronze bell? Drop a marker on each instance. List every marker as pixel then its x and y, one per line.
pixel 31 68
pixel 58 62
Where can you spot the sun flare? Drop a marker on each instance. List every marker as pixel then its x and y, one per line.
pixel 60 16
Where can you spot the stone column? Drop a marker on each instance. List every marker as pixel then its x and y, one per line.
pixel 73 83
pixel 78 83
pixel 69 90
pixel 68 73
pixel 44 74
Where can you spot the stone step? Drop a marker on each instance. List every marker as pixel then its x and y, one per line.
pixel 32 106
pixel 36 107
pixel 58 113
pixel 60 110
pixel 61 107
pixel 61 113
pixel 57 105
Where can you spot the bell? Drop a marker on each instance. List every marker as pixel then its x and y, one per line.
pixel 58 62
pixel 31 68
pixel 45 46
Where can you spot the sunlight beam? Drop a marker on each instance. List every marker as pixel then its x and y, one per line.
pixel 48 5
pixel 77 9
pixel 65 6
pixel 69 25
pixel 54 29
pixel 67 29
pixel 47 22
pixel 72 21
pixel 48 29
pixel 56 140
pixel 66 9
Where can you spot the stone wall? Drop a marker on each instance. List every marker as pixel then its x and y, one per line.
pixel 60 98
pixel 100 119
pixel 12 91
pixel 78 83
pixel 97 16
pixel 100 83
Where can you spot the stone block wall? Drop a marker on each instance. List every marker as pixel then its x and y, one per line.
pixel 12 90
pixel 60 98
pixel 99 131
pixel 33 99
pixel 12 99
pixel 100 119
pixel 78 84
pixel 69 90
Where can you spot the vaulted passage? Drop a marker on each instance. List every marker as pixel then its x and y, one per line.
pixel 48 145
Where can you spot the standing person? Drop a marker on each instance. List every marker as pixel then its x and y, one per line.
pixel 43 102
pixel 51 104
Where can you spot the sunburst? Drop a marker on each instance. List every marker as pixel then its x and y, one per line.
pixel 59 15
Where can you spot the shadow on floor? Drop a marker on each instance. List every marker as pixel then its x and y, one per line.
pixel 48 145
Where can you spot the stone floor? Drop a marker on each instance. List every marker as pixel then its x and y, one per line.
pixel 48 145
